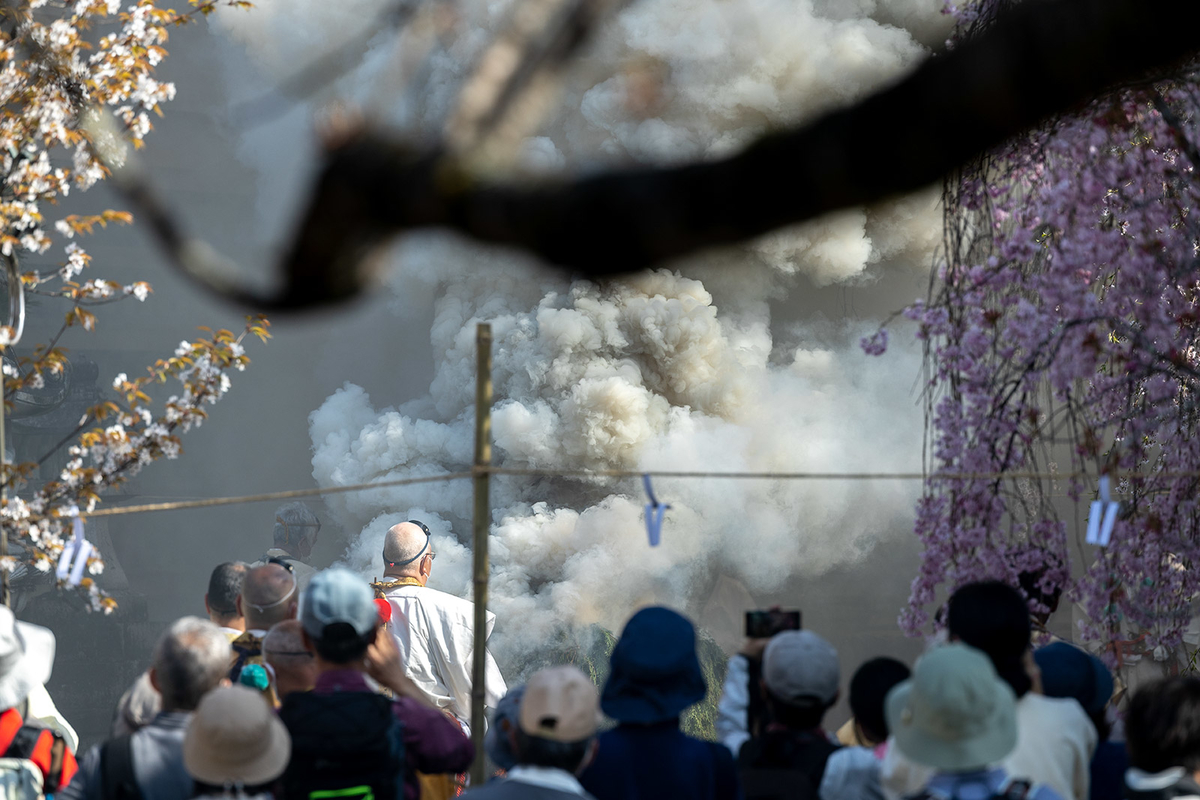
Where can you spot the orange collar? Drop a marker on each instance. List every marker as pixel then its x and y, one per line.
pixel 405 581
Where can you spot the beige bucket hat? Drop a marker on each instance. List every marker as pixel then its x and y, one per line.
pixel 955 713
pixel 235 737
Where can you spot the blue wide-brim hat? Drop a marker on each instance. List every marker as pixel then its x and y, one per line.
pixel 1070 671
pixel 655 673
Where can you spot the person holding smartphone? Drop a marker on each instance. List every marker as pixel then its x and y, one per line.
pixel 742 709
pixel 787 751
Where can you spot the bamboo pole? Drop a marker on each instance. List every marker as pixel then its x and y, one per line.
pixel 5 591
pixel 16 323
pixel 483 459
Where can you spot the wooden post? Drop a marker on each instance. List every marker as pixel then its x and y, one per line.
pixel 483 460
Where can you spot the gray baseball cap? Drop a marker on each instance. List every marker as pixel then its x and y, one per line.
pixel 799 665
pixel 338 595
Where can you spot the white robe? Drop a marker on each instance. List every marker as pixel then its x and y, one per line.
pixel 433 631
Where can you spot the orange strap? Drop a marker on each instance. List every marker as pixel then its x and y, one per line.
pixel 10 723
pixel 43 756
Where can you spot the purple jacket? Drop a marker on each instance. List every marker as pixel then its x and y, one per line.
pixel 432 742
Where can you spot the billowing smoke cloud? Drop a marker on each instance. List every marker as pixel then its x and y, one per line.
pixel 641 374
pixel 650 372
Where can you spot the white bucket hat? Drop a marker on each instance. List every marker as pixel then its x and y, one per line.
pixel 235 738
pixel 955 713
pixel 26 658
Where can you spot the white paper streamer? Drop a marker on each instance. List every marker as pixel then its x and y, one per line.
pixel 77 550
pixel 1102 516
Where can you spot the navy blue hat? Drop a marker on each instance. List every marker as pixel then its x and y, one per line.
pixel 1070 671
pixel 495 741
pixel 655 673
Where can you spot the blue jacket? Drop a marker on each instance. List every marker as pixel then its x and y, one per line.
pixel 652 762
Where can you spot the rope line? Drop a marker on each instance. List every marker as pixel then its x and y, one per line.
pixel 257 498
pixel 477 471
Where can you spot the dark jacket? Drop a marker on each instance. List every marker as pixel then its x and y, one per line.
pixel 519 786
pixel 652 762
pixel 432 743
pixel 1108 771
pixel 784 764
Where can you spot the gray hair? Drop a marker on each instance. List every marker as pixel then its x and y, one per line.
pixel 140 704
pixel 294 523
pixel 190 659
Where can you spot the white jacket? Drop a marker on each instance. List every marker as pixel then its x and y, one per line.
pixel 433 631
pixel 1055 742
pixel 733 729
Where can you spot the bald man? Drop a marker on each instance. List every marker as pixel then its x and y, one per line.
pixel 269 596
pixel 433 629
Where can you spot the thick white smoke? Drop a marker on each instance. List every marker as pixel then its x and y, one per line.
pixel 648 372
pixel 642 374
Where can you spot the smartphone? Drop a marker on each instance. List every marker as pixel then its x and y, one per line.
pixel 765 624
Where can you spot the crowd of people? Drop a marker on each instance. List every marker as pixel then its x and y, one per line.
pixel 342 689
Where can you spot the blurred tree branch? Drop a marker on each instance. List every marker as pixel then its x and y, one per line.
pixel 1039 59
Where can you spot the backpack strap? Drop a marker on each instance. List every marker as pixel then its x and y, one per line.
pixel 117 780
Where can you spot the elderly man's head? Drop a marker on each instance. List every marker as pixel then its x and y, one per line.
pixel 296 528
pixel 294 666
pixel 190 659
pixel 268 597
pixel 556 720
pixel 408 551
pixel 224 586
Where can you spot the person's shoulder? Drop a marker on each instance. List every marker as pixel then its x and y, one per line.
pixel 499 789
pixel 411 712
pixel 717 752
pixel 89 762
pixel 1063 708
pixel 852 757
pixel 848 769
pixel 444 604
pixel 432 595
pixel 1043 792
pixel 509 789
